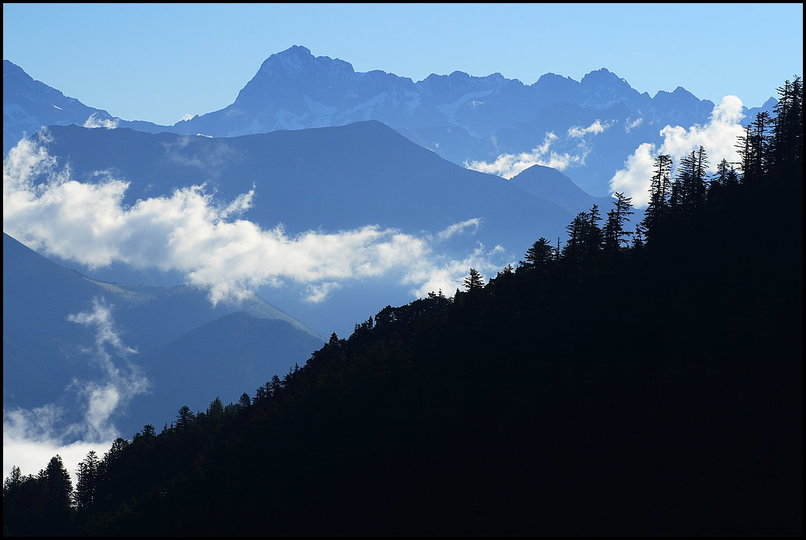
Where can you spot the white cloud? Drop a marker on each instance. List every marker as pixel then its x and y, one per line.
pixel 459 228
pixel 31 455
pixel 633 179
pixel 632 124
pixel 509 165
pixel 95 122
pixel 718 137
pixel 595 128
pixel 188 232
pixel 122 380
pixel 319 292
pixel 32 436
pixel 449 277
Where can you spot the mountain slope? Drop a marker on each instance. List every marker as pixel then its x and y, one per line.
pixel 329 178
pixel 220 358
pixel 326 180
pixel 553 185
pixel 499 412
pixel 29 104
pixel 43 351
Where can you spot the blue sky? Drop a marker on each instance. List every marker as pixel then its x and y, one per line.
pixel 159 62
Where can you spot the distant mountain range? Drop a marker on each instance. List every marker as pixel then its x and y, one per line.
pixel 327 179
pixel 189 350
pixel 29 104
pixel 326 148
pixel 460 117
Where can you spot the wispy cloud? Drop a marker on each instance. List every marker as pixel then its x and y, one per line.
pixel 319 292
pixel 95 121
pixel 595 128
pixel 630 125
pixel 32 436
pixel 450 276
pixel 122 380
pixel 459 228
pixel 187 151
pixel 189 232
pixel 718 137
pixel 509 165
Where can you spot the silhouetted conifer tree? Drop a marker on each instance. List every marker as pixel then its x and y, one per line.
pixel 184 418
pixel 473 281
pixel 216 409
pixel 690 187
pixel 58 497
pixel 540 255
pixel 659 193
pixel 725 178
pixel 754 148
pixel 786 144
pixel 613 234
pixel 87 481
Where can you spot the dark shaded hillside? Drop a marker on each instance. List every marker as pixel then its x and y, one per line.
pixel 499 412
pixel 217 358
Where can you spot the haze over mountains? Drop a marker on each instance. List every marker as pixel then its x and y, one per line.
pixel 47 350
pixel 324 179
pixel 326 151
pixel 596 122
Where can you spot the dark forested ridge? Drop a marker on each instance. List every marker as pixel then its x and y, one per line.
pixel 638 380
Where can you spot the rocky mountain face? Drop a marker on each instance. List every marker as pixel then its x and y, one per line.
pixel 590 125
pixel 594 123
pixel 29 104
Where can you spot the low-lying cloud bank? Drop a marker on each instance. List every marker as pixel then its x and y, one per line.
pixel 190 232
pixel 718 137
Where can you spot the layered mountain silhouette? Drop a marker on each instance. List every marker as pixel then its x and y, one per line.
pixel 553 185
pixel 322 179
pixel 179 336
pixel 326 178
pixel 29 104
pixel 461 117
